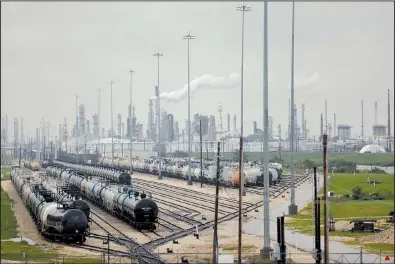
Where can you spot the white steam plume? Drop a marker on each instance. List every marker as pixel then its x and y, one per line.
pixel 302 82
pixel 205 81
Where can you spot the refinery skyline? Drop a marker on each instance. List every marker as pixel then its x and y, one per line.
pixel 323 70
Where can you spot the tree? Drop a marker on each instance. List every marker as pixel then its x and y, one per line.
pixel 356 193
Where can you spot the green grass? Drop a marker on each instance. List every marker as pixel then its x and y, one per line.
pixel 6 174
pixel 358 158
pixel 14 251
pixel 8 220
pixel 377 248
pixel 343 184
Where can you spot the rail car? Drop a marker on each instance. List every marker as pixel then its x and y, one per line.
pixel 178 168
pixel 229 171
pixel 32 165
pixel 55 221
pixel 140 211
pixel 114 175
pixel 62 196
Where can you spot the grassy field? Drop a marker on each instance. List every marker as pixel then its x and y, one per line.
pixel 14 250
pixel 347 208
pixel 6 174
pixel 386 159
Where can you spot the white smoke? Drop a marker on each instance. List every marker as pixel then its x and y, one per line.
pixel 204 82
pixel 302 82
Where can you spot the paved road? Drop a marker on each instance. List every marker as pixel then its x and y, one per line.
pixel 305 242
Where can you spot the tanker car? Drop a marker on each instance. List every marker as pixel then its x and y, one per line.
pixel 32 165
pixel 63 197
pixel 53 220
pixel 124 202
pixel 113 175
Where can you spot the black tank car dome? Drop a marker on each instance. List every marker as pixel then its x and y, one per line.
pixel 125 178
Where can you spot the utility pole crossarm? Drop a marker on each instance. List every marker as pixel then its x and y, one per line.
pixel 243 8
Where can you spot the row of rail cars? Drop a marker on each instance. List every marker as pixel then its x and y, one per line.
pixel 178 168
pixel 56 221
pixel 120 200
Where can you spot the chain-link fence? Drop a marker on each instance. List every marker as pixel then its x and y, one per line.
pixel 203 257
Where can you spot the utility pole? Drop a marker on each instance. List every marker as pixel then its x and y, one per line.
pixel 188 38
pixel 77 130
pixel 266 201
pixel 130 123
pixel 215 240
pixel 240 205
pixel 201 155
pixel 158 120
pixel 293 208
pixel 317 221
pixel 326 209
pixel 98 120
pixel 243 9
pixel 112 128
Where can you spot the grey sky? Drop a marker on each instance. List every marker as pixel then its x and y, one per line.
pixel 51 51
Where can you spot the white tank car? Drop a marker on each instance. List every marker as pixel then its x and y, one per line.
pixel 49 208
pixel 274 175
pixel 185 171
pixel 196 172
pixel 276 165
pixel 178 171
pixel 25 194
pixel 225 173
pixel 211 173
pixel 169 169
pixel 152 167
pixel 108 196
pixel 251 174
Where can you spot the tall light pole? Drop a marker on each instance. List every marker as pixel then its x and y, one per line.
pixel 188 38
pixel 293 208
pixel 243 9
pixel 77 130
pixel 242 193
pixel 98 121
pixel 112 128
pixel 266 217
pixel 158 120
pixel 130 122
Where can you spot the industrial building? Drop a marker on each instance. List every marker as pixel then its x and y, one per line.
pixel 379 131
pixel 344 132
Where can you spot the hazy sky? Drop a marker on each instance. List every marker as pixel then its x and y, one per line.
pixel 52 51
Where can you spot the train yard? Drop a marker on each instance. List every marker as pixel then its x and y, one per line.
pixel 183 211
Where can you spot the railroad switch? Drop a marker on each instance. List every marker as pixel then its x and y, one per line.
pixel 204 217
pixel 175 241
pixel 169 250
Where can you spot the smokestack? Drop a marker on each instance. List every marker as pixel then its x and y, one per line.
pixel 322 128
pixel 326 116
pixel 60 133
pixel 334 125
pixel 6 128
pixel 22 141
pixel 228 122
pixel 389 121
pixel 303 124
pixel 234 124
pixel 362 132
pixel 375 113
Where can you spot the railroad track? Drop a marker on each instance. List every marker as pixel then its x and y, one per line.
pixel 210 224
pixel 135 250
pixel 183 191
